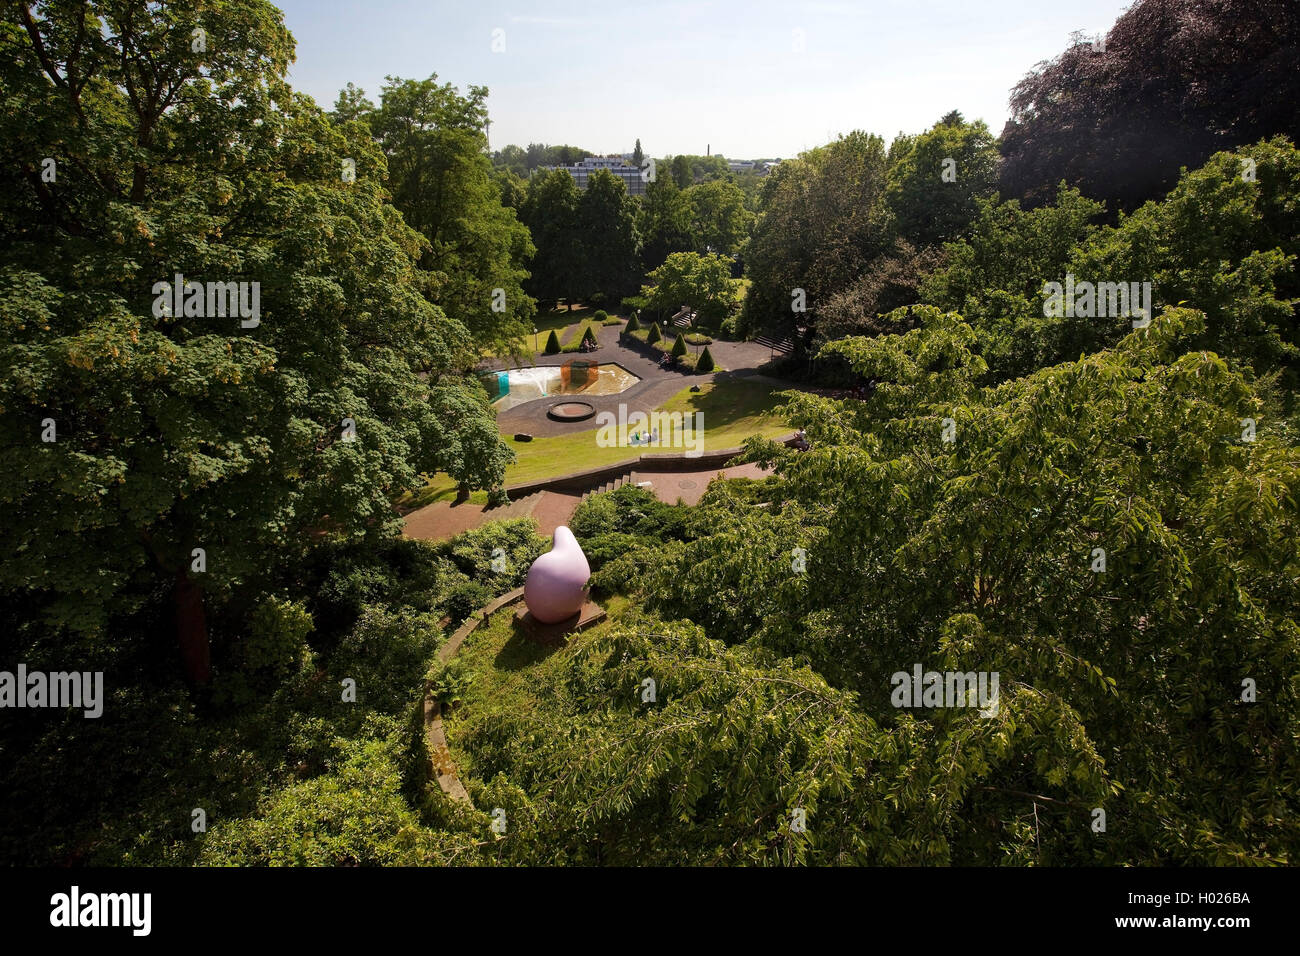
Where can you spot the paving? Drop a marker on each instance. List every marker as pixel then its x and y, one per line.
pixel 551 509
pixel 657 384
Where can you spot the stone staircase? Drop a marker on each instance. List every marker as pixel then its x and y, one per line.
pixel 618 482
pixel 521 508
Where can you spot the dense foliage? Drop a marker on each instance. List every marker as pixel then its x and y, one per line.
pixel 1171 82
pixel 1101 510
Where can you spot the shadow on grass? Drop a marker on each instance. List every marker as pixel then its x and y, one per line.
pixel 520 652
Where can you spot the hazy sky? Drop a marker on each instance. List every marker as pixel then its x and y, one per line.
pixel 748 80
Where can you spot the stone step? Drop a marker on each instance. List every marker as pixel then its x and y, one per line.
pixel 608 486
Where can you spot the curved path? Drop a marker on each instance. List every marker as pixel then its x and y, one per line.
pixel 657 385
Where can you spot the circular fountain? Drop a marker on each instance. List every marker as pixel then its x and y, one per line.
pixel 571 411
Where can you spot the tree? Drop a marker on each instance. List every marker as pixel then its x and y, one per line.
pixel 824 220
pixel 608 239
pixel 665 222
pixel 197 453
pixel 1134 455
pixel 1175 81
pixel 638 157
pixel 351 105
pixel 893 281
pixel 995 277
pixel 513 159
pixel 935 182
pixel 717 218
pixel 702 283
pixel 550 211
pixel 681 172
pixel 1220 243
pixel 444 186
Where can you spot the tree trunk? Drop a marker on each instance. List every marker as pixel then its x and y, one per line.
pixel 192 630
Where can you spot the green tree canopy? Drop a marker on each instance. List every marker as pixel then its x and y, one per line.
pixel 174 430
pixel 433 139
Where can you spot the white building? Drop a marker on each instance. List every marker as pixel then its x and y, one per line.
pixel 614 165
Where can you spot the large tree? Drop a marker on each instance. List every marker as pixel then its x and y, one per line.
pixel 664 222
pixel 936 177
pixel 550 211
pixel 1173 81
pixel 701 283
pixel 443 184
pixel 718 219
pixel 824 220
pixel 155 450
pixel 607 233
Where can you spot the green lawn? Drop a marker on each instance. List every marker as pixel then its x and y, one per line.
pixel 509 674
pixel 733 411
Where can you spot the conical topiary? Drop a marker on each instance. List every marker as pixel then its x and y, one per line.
pixel 589 336
pixel 705 363
pixel 552 343
pixel 679 346
pixel 655 335
pixel 633 325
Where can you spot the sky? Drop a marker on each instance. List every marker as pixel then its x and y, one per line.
pixel 750 80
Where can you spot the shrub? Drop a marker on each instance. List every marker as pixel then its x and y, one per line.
pixel 655 334
pixel 612 320
pixel 698 338
pixel 352 816
pixel 277 638
pixel 589 336
pixel 600 315
pixel 728 327
pixel 679 346
pixel 633 324
pixel 705 363
pixel 552 343
pixel 449 681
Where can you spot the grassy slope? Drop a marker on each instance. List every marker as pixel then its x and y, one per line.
pixel 511 675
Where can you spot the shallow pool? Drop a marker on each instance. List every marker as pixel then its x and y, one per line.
pixel 515 386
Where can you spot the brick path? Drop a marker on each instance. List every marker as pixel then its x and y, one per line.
pixel 443 520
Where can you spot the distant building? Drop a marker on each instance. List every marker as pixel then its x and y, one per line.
pixel 749 166
pixel 615 165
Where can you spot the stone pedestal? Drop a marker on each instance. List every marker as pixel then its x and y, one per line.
pixel 555 634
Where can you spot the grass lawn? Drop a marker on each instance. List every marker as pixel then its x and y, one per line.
pixel 733 411
pixel 509 675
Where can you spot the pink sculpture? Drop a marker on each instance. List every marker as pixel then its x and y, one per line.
pixel 556 586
